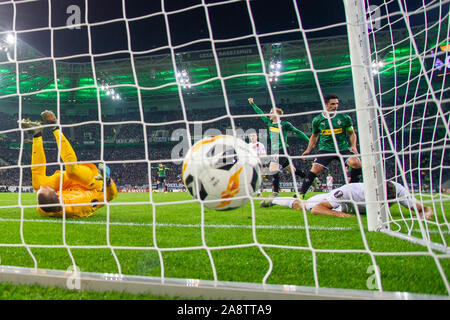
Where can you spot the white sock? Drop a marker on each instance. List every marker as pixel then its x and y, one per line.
pixel 284 201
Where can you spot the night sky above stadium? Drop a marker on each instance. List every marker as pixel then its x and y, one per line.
pixel 227 21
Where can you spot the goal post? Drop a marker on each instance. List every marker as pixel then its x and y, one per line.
pixel 366 114
pixel 395 114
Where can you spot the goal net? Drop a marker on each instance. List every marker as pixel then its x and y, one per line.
pixel 135 86
pixel 412 111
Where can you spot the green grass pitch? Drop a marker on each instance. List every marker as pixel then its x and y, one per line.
pixel 238 240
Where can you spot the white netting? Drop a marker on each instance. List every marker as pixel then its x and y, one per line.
pixel 136 85
pixel 414 106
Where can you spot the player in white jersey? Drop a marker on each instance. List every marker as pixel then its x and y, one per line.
pixel 349 199
pixel 260 150
pixel 330 181
pixel 259 147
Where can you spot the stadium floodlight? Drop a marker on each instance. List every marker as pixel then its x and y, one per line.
pixel 7 45
pixel 275 69
pixel 275 64
pixel 183 78
pixel 104 86
pixel 10 39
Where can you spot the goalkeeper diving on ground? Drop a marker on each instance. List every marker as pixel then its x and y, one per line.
pixel 77 191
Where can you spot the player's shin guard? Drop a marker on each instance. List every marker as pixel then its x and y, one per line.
pixel 307 182
pixel 355 175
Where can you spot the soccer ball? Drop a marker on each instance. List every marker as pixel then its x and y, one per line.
pixel 223 171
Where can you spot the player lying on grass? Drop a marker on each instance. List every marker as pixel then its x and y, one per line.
pixel 80 191
pixel 341 202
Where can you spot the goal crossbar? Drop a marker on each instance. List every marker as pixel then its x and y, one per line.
pixel 192 288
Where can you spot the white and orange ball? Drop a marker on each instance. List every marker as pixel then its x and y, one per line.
pixel 222 171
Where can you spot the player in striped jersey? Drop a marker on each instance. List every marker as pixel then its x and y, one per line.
pixel 161 172
pixel 278 133
pixel 78 191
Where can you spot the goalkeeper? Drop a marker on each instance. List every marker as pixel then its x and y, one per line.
pixel 278 132
pixel 342 202
pixel 78 190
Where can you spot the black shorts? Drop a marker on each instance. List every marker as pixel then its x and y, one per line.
pixel 162 179
pixel 281 158
pixel 324 161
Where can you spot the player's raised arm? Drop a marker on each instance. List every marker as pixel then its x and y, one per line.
pixel 299 133
pixel 258 110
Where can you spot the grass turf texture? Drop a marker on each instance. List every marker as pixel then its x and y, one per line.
pixel 232 237
pixel 9 291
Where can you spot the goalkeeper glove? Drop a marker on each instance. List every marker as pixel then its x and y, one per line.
pixel 104 171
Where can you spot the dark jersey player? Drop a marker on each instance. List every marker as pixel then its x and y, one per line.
pixel 161 171
pixel 278 133
pixel 342 127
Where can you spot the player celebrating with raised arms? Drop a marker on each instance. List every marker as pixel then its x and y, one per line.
pixel 342 129
pixel 78 191
pixel 278 132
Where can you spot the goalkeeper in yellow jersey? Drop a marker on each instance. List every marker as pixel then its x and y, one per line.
pixel 78 191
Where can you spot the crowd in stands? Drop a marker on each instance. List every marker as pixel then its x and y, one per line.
pixel 122 145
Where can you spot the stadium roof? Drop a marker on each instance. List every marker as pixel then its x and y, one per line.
pixel 238 69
